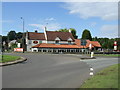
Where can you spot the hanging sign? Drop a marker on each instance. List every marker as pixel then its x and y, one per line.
pixel 35 42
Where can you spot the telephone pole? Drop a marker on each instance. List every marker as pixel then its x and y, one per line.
pixel 23 37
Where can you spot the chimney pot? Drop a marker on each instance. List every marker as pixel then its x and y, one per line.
pixel 36 31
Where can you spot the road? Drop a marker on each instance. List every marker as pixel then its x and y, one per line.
pixel 51 71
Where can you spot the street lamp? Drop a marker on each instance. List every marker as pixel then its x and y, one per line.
pixel 23 23
pixel 23 38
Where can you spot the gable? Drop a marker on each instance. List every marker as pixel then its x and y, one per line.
pixel 69 39
pixel 57 39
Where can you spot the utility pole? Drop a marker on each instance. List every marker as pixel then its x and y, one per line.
pixel 23 38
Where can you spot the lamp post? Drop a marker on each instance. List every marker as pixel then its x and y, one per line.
pixel 23 37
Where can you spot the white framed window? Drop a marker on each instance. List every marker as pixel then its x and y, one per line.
pixel 57 42
pixel 29 42
pixel 69 42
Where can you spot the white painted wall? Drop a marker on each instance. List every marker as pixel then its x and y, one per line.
pixel 34 49
pixel 61 42
pixel 30 43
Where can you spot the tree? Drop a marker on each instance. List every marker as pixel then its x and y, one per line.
pixel 86 34
pixel 12 35
pixel 107 43
pixel 19 35
pixel 13 45
pixel 4 38
pixel 73 31
pixel 0 42
pixel 63 30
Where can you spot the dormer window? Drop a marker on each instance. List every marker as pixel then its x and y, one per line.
pixel 57 39
pixel 69 40
pixel 56 42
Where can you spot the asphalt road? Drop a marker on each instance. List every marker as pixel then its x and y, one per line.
pixel 51 71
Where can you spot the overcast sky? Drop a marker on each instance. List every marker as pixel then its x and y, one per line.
pixel 98 17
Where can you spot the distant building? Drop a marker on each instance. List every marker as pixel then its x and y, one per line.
pixel 54 41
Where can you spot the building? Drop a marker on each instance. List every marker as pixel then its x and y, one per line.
pixel 54 41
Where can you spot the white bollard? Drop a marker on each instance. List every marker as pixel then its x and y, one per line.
pixel 91 71
pixel 92 54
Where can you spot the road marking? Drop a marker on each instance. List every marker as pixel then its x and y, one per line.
pixel 91 71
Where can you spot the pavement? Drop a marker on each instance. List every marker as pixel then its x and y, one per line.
pixel 51 71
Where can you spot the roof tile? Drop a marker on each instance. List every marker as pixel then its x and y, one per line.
pixel 36 36
pixel 64 36
pixel 45 45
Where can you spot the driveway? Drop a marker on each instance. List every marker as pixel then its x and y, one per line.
pixel 51 71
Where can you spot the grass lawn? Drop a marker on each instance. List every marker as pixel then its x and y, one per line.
pixel 110 55
pixel 8 58
pixel 107 78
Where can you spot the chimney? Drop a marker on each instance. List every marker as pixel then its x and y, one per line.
pixel 45 29
pixel 69 30
pixel 36 31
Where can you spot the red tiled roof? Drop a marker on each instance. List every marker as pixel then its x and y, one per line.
pixel 94 43
pixel 45 45
pixel 36 36
pixel 77 45
pixel 64 36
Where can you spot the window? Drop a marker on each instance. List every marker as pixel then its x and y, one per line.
pixel 39 50
pixel 57 42
pixel 29 41
pixel 69 42
pixel 35 50
pixel 40 41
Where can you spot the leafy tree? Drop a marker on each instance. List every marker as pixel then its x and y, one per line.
pixel 19 35
pixel 12 35
pixel 107 43
pixel 13 46
pixel 4 38
pixel 0 42
pixel 63 30
pixel 86 34
pixel 73 31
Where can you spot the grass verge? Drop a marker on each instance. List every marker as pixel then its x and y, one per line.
pixel 8 58
pixel 107 78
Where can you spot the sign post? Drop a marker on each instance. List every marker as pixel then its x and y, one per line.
pixel 90 48
pixel 92 54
